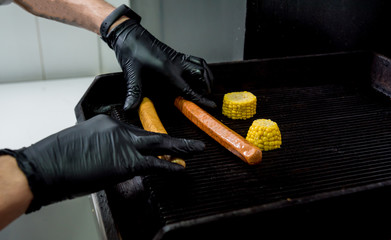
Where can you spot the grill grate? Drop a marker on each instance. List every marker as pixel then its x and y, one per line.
pixel 335 158
pixel 334 137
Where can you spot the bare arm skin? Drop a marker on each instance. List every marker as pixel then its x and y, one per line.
pixel 87 14
pixel 15 194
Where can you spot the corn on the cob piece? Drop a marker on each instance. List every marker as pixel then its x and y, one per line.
pixel 239 105
pixel 265 134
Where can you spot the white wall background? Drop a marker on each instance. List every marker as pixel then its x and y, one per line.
pixel 33 48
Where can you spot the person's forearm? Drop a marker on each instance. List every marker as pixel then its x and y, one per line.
pixel 87 14
pixel 15 194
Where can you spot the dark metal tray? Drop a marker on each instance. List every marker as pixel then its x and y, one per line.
pixel 332 174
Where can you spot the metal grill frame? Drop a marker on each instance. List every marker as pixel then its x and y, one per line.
pixel 277 72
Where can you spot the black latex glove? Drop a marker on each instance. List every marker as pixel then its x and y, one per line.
pixel 93 155
pixel 136 50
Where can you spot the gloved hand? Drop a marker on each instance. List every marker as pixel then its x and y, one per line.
pixel 93 155
pixel 136 50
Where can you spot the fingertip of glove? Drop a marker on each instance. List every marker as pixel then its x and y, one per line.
pixel 177 167
pixel 197 146
pixel 167 166
pixel 127 107
pixel 208 103
pixel 131 103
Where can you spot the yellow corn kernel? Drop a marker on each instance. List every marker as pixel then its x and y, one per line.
pixel 265 134
pixel 239 105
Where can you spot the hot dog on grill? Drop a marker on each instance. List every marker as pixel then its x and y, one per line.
pixel 220 132
pixel 151 122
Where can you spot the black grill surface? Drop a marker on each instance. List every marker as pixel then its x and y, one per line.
pixel 336 139
pixel 333 138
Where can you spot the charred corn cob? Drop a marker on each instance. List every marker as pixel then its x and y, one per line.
pixel 265 134
pixel 239 105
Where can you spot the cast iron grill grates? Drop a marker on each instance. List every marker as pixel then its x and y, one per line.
pixel 335 137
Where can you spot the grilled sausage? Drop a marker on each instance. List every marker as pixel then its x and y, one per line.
pixel 220 132
pixel 151 122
